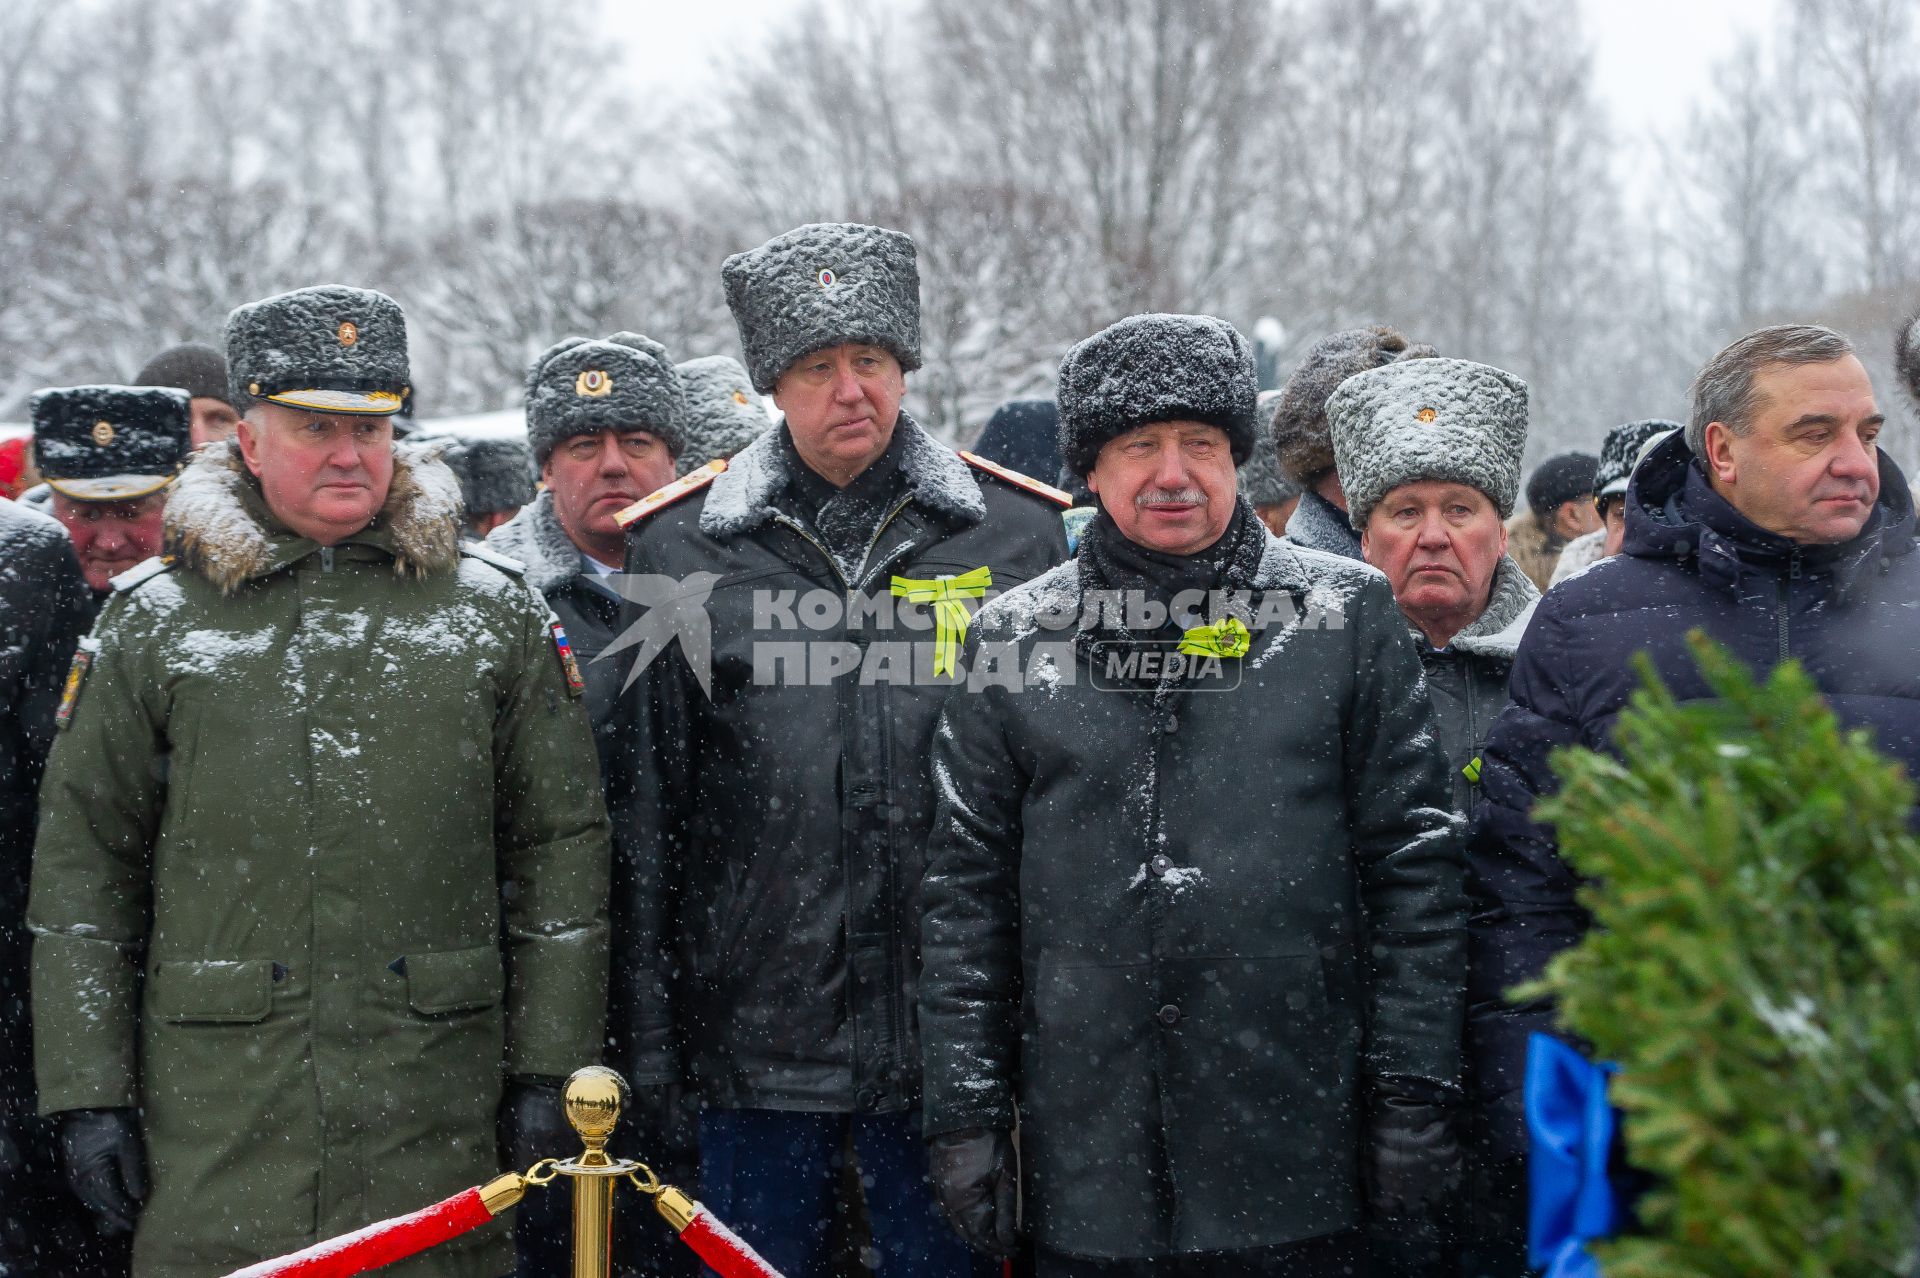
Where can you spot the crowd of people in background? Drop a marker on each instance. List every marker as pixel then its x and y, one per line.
pixel 1107 850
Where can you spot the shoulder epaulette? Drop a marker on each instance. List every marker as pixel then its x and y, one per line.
pixel 1017 479
pixel 660 498
pixel 488 555
pixel 145 570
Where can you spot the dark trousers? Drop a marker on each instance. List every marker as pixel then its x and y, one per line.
pixel 770 1175
pixel 1341 1255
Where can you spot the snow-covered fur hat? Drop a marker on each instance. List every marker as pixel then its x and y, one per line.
pixel 1446 419
pixel 824 284
pixel 623 382
pixel 110 443
pixel 494 474
pixel 1156 368
pixel 1260 479
pixel 1906 357
pixel 724 414
pixel 1299 421
pixel 1622 448
pixel 327 349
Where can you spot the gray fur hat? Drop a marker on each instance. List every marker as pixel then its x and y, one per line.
pixel 200 371
pixel 1446 419
pixel 1621 450
pixel 1299 421
pixel 724 414
pixel 494 474
pixel 1156 368
pixel 579 386
pixel 110 443
pixel 329 349
pixel 1906 357
pixel 825 284
pixel 1260 479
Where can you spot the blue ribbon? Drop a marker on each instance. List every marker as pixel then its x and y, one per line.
pixel 1570 1125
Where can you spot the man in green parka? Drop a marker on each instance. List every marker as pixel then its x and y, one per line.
pixel 319 894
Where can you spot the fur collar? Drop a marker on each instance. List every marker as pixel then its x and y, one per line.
pixel 216 522
pixel 536 539
pixel 1497 631
pixel 741 499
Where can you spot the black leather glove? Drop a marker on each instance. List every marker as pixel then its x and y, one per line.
pixel 1413 1158
pixel 532 1124
pixel 106 1164
pixel 976 1182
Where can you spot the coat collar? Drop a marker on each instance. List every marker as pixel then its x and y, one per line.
pixel 1496 631
pixel 1318 524
pixel 742 498
pixel 536 539
pixel 217 523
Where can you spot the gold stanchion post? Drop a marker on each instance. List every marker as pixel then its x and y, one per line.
pixel 592 1101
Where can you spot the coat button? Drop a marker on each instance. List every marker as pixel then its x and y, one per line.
pixel 866 1097
pixel 1169 1015
pixel 1162 863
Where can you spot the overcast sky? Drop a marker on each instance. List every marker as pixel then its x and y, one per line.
pixel 1653 56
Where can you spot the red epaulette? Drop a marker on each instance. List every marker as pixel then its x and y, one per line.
pixel 1017 479
pixel 667 494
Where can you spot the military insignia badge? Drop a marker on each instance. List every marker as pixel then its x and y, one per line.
pixel 740 398
pixel 103 433
pixel 1426 414
pixel 348 332
pixel 576 685
pixel 593 383
pixel 76 678
pixel 825 277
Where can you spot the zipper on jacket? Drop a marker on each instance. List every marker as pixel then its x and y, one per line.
pixel 326 559
pixel 1786 598
pixel 833 563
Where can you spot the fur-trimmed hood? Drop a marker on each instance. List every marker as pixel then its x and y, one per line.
pixel 741 499
pixel 1496 632
pixel 536 539
pixel 217 524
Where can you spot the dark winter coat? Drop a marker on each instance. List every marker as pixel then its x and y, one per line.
pixel 322 861
pixel 1846 612
pixel 1145 912
pixel 1318 524
pixel 780 824
pixel 1468 678
pixel 45 606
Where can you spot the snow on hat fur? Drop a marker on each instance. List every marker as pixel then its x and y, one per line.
pixel 624 382
pixel 1906 357
pixel 1260 479
pixel 724 414
pixel 1299 421
pixel 494 474
pixel 1621 450
pixel 200 371
pixel 820 285
pixel 327 349
pixel 1156 368
pixel 110 443
pixel 1445 419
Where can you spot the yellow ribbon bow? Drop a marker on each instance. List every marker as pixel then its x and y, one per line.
pixel 948 595
pixel 1228 637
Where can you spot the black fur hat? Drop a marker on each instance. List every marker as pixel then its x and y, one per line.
pixel 1156 368
pixel 494 474
pixel 826 284
pixel 330 349
pixel 582 387
pixel 110 443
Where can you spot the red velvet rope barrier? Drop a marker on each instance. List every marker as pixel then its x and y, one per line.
pixel 723 1250
pixel 379 1244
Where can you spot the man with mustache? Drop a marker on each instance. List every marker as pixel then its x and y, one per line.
pixel 319 894
pixel 1193 912
pixel 1774 523
pixel 1429 452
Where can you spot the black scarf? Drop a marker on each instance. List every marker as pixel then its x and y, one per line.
pixel 846 519
pixel 1110 561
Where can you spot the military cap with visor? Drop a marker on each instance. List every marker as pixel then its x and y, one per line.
pixel 327 349
pixel 110 443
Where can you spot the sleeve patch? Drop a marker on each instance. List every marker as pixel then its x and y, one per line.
pixel 76 679
pixel 576 685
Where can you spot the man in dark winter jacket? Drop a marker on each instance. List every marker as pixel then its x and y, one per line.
pixel 1430 456
pixel 818 584
pixel 1303 438
pixel 1193 914
pixel 605 422
pixel 1559 509
pixel 1773 523
pixel 45 606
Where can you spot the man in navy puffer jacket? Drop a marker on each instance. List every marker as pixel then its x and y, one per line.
pixel 1775 525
